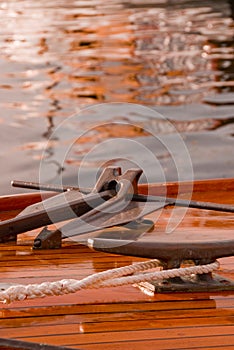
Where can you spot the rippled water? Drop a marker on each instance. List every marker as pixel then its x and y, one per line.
pixel 57 57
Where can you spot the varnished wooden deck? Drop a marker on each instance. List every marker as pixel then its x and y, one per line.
pixel 116 318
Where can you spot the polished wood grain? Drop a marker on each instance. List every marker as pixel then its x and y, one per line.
pixel 122 317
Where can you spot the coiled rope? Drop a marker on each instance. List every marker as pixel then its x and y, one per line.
pixel 111 278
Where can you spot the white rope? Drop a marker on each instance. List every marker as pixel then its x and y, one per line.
pixel 110 278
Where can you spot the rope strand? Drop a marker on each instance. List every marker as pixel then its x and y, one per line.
pixel 110 278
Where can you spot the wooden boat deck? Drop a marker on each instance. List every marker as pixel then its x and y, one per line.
pixel 121 317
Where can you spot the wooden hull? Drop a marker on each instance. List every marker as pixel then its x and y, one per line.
pixel 121 317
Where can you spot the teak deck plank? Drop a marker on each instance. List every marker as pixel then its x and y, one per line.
pixel 134 335
pixel 114 326
pixel 216 342
pixel 123 317
pixel 168 317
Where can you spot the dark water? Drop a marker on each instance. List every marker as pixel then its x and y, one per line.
pixel 57 57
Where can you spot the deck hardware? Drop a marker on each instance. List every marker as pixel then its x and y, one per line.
pixel 116 211
pixel 135 197
pixel 90 209
pixel 108 204
pixel 113 211
pixel 189 284
pixel 173 255
pixel 48 239
pixel 47 187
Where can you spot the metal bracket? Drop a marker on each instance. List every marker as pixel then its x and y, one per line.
pixel 48 239
pixel 206 282
pixel 189 284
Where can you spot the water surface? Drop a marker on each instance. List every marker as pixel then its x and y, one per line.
pixel 58 57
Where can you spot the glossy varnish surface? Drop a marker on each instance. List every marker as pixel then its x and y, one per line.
pixel 122 317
